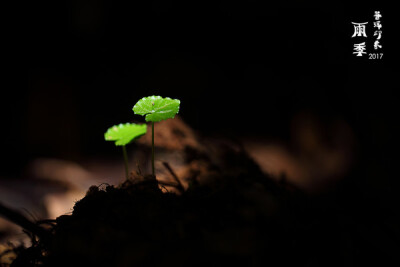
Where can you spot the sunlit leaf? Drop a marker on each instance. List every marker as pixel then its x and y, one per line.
pixel 123 134
pixel 157 108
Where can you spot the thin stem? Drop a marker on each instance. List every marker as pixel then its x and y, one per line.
pixel 126 161
pixel 152 149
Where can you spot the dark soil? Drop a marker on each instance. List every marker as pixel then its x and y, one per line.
pixel 238 219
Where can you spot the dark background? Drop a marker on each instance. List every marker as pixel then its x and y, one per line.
pixel 240 69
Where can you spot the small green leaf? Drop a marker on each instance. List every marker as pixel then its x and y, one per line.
pixel 157 108
pixel 123 134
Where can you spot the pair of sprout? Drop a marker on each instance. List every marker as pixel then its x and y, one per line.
pixel 155 109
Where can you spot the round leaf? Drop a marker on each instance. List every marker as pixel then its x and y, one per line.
pixel 123 134
pixel 157 108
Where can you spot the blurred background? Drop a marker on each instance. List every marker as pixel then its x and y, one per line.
pixel 280 78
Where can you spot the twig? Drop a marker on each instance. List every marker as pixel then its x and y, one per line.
pixel 22 221
pixel 139 171
pixel 179 185
pixel 167 184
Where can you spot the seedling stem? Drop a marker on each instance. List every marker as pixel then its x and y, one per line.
pixel 125 161
pixel 152 148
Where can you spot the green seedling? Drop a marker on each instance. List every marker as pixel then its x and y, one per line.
pixel 156 108
pixel 124 134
